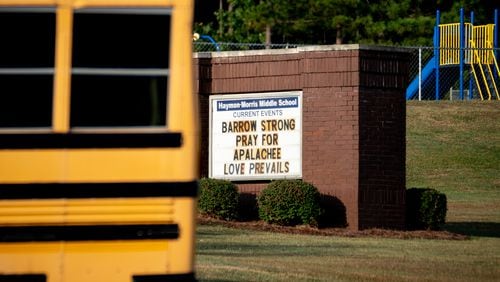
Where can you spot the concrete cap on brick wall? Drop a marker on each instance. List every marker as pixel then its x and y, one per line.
pixel 302 49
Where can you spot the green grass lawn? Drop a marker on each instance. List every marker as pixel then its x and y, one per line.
pixel 226 254
pixel 452 147
pixel 455 147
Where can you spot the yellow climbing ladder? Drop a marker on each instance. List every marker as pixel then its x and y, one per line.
pixel 483 58
pixel 478 53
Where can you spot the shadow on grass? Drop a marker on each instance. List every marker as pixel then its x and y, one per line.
pixel 478 229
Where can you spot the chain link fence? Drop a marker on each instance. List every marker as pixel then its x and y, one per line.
pixel 479 81
pixel 423 73
pixel 224 46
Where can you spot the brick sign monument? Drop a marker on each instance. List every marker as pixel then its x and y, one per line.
pixel 333 116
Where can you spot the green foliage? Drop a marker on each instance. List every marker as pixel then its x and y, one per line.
pixel 218 198
pixel 425 208
pixel 388 22
pixel 289 202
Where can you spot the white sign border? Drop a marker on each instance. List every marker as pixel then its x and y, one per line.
pixel 297 93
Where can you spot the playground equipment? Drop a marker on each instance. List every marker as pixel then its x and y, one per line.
pixel 197 36
pixel 458 46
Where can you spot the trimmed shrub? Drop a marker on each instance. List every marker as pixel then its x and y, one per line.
pixel 289 202
pixel 218 198
pixel 425 208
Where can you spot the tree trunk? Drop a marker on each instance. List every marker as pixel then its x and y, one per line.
pixel 230 9
pixel 338 39
pixel 268 36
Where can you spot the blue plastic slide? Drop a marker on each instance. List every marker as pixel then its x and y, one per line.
pixel 427 74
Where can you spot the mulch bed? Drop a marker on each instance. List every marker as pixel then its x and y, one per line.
pixel 341 232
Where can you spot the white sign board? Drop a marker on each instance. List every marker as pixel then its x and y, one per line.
pixel 256 136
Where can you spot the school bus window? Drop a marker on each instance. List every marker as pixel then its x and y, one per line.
pixel 26 67
pixel 28 39
pixel 120 68
pixel 25 101
pixel 118 101
pixel 102 40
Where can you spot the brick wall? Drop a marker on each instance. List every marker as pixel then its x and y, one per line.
pixel 353 134
pixel 382 122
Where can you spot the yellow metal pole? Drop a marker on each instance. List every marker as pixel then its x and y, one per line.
pixel 473 46
pixel 495 64
pixel 483 75
pixel 62 80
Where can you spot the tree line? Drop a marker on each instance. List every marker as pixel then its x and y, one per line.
pixel 382 22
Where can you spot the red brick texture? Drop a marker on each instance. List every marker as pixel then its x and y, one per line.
pixel 353 138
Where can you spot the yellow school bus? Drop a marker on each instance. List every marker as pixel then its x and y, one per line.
pixel 98 140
